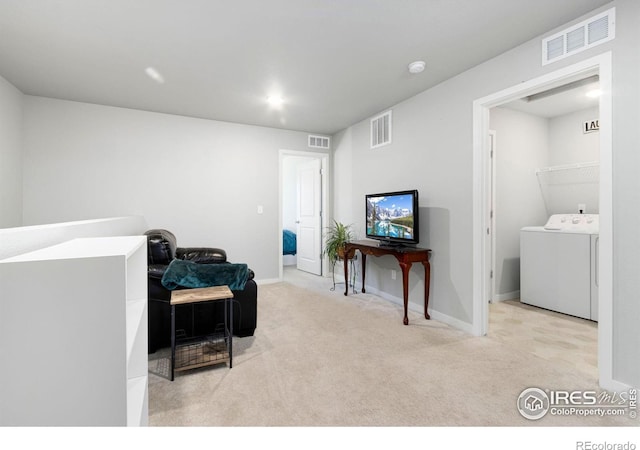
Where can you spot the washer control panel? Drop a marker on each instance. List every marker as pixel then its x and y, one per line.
pixel 578 223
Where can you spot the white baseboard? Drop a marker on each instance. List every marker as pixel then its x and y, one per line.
pixel 614 385
pixel 507 296
pixel 268 281
pixel 451 321
pixel 289 260
pixel 435 315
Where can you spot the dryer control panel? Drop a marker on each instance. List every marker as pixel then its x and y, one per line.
pixel 575 223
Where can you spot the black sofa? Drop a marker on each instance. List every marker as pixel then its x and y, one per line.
pixel 192 319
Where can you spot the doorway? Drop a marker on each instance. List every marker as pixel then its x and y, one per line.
pixel 303 198
pixel 482 181
pixel 545 165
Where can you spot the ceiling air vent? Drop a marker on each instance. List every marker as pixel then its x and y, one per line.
pixel 381 130
pixel 319 141
pixel 589 33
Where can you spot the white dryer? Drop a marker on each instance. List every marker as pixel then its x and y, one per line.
pixel 559 265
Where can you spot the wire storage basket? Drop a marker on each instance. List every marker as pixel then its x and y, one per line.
pixel 192 353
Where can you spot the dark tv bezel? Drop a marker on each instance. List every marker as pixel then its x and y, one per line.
pixel 416 219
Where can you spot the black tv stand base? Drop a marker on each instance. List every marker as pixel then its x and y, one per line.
pixel 399 245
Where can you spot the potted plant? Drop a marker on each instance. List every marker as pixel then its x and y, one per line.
pixel 337 235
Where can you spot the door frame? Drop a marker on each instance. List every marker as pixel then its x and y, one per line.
pixel 481 242
pixel 323 156
pixel 492 215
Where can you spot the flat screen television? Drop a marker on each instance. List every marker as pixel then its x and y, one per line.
pixel 393 217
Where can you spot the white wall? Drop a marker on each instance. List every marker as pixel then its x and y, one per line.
pixel 568 144
pixel 626 193
pixel 432 151
pixel 522 146
pixel 201 179
pixel 567 189
pixel 344 210
pixel 10 155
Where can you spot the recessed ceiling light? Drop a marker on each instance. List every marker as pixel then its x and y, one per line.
pixel 275 100
pixel 416 66
pixel 594 93
pixel 154 75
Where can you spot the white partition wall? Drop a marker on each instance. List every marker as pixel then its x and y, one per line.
pixel 73 334
pixel 19 240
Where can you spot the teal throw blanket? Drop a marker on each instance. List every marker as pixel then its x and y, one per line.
pixel 188 274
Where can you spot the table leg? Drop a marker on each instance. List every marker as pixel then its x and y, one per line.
pixel 173 339
pixel 230 301
pixel 346 274
pixel 405 289
pixel 364 269
pixel 427 282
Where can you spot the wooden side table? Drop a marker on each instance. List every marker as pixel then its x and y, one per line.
pixel 200 351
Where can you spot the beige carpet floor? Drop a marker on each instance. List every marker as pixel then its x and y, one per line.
pixel 319 358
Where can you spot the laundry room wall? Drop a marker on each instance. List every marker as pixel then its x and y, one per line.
pixel 572 185
pixel 568 144
pixel 521 146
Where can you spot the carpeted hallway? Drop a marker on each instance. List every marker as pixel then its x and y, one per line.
pixel 321 359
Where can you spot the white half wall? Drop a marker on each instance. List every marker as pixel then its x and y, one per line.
pixel 10 155
pixel 19 240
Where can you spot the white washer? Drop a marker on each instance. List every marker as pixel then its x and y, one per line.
pixel 559 265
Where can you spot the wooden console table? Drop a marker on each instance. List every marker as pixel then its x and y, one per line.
pixel 405 256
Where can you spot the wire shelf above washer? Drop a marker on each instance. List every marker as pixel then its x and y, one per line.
pixel 565 187
pixel 580 173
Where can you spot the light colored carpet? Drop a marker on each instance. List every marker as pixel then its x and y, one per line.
pixel 321 359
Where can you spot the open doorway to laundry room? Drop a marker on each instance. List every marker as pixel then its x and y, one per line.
pixel 303 199
pixel 545 160
pixel 543 166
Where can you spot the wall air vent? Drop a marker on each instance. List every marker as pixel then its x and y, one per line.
pixel 319 141
pixel 582 36
pixel 381 130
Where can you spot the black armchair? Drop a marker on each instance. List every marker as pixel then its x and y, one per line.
pixel 198 318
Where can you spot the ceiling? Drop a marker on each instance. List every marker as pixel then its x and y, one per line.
pixel 560 100
pixel 334 62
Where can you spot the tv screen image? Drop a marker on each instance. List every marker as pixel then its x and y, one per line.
pixel 393 217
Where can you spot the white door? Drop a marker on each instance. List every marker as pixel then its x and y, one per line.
pixel 309 225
